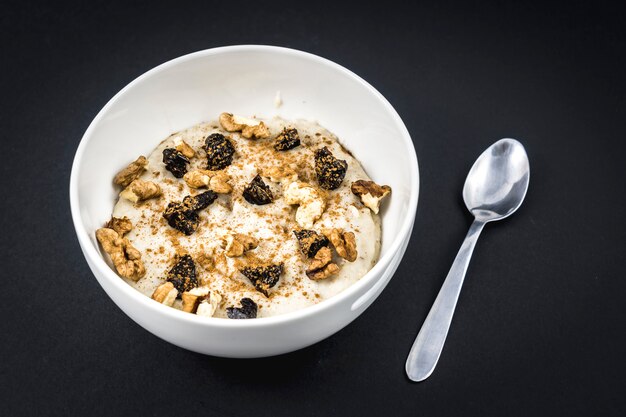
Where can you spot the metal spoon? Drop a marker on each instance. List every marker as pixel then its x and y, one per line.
pixel 495 187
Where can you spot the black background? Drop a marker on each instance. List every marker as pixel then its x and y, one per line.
pixel 539 329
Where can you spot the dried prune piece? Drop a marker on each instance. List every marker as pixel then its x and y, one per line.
pixel 330 171
pixel 247 310
pixel 263 277
pixel 219 151
pixel 287 139
pixel 310 241
pixel 257 192
pixel 175 162
pixel 181 218
pixel 183 275
pixel 200 201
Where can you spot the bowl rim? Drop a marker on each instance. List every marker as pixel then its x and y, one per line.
pixel 97 261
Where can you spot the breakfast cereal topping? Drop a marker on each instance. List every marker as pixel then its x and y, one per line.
pixel 344 243
pixel 219 151
pixel 125 257
pixel 183 274
pixel 165 294
pixel 183 216
pixel 236 244
pixel 198 178
pixel 257 192
pixel 140 190
pixel 311 203
pixel 287 139
pixel 131 172
pixel 215 180
pixel 310 241
pixel 249 128
pixel 193 298
pixel 321 266
pixel 371 194
pixel 199 201
pixel 247 310
pixel 209 304
pixel 184 148
pixel 330 171
pixel 263 277
pixel 175 162
pixel 120 225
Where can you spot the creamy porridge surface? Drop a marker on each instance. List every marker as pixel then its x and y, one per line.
pixel 271 225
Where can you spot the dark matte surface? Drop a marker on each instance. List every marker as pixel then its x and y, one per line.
pixel 539 328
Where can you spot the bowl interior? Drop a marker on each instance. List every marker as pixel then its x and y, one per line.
pixel 245 80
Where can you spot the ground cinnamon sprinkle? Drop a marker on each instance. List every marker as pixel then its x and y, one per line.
pixel 273 224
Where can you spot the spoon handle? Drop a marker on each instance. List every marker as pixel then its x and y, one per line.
pixel 429 342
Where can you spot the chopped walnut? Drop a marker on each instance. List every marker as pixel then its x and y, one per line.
pixel 209 304
pixel 371 194
pixel 250 129
pixel 217 181
pixel 120 225
pixel 344 243
pixel 311 201
pixel 125 257
pixel 198 178
pixel 165 294
pixel 236 244
pixel 184 148
pixel 139 190
pixel 192 298
pixel 321 266
pixel 131 172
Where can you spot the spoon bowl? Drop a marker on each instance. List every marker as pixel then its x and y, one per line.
pixel 497 182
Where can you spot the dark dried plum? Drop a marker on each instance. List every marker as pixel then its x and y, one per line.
pixel 175 162
pixel 257 192
pixel 181 218
pixel 183 275
pixel 310 241
pixel 247 310
pixel 330 170
pixel 219 151
pixel 287 139
pixel 200 201
pixel 263 277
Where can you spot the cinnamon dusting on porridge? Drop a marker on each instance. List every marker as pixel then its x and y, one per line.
pixel 244 217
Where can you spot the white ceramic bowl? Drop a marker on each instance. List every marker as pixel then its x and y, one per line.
pixel 245 80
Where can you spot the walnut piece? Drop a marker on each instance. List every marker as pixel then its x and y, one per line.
pixel 249 128
pixel 120 225
pixel 131 172
pixel 209 304
pixel 344 243
pixel 371 194
pixel 321 266
pixel 198 178
pixel 192 298
pixel 125 257
pixel 139 190
pixel 165 294
pixel 217 181
pixel 184 148
pixel 311 201
pixel 236 244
